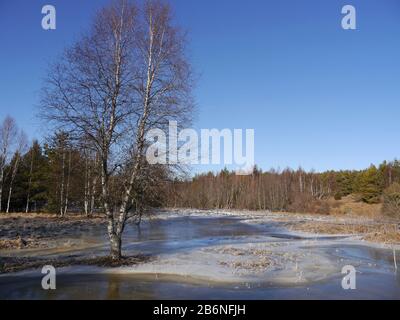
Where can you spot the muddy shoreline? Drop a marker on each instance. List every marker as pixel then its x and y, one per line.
pixel 39 230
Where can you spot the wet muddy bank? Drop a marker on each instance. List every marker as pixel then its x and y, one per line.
pixel 17 264
pixel 21 231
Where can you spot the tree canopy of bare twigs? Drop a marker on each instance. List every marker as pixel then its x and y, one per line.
pixel 127 75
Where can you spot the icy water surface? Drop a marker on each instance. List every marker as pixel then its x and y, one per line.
pixel 183 267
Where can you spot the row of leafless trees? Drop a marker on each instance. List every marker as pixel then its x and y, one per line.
pixel 13 144
pixel 276 191
pixel 288 190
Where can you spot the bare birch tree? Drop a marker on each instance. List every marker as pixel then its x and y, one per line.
pixel 8 133
pixel 128 75
pixel 62 184
pixel 30 178
pixel 21 148
pixel 87 183
pixel 64 206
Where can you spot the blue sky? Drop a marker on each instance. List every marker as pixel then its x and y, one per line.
pixel 317 96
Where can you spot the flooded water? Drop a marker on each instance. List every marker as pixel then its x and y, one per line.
pixel 184 267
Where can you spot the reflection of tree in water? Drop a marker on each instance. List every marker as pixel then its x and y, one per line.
pixel 132 287
pixel 381 254
pixel 388 256
pixel 113 291
pixel 398 277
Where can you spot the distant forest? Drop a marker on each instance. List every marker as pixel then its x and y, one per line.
pixel 61 176
pixel 290 190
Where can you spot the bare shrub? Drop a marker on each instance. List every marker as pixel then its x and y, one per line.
pixel 391 201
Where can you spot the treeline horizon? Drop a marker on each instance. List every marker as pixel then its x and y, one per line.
pixel 290 190
pixel 59 175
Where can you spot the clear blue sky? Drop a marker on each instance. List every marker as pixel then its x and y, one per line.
pixel 317 96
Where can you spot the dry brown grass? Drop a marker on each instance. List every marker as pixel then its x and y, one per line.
pixel 31 230
pixel 31 215
pixel 349 216
pixel 387 233
pixel 14 243
pixel 350 206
